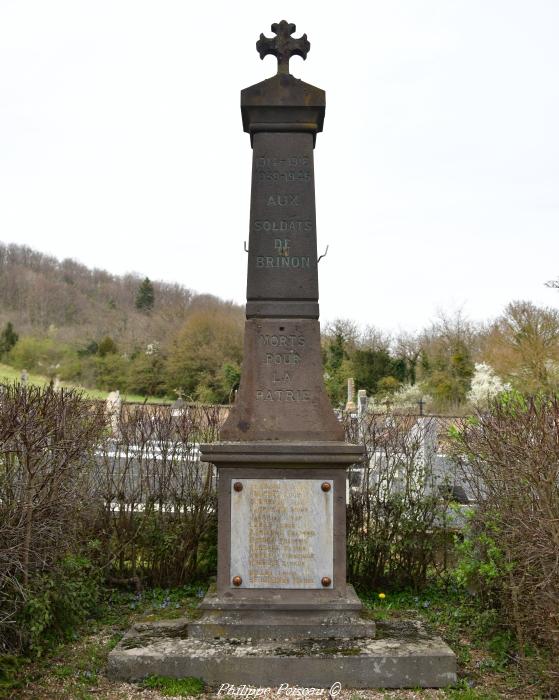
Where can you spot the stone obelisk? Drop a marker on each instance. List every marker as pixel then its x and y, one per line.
pixel 282 612
pixel 282 459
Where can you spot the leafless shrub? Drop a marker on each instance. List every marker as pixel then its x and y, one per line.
pixel 47 439
pixel 138 502
pixel 510 455
pixel 398 505
pixel 158 501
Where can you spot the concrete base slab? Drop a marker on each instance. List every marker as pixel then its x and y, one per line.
pixel 403 655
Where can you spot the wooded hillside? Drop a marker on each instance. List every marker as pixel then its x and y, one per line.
pixel 78 305
pixel 103 331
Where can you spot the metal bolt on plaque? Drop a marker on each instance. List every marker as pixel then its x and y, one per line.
pixel 237 580
pixel 238 486
pixel 326 486
pixel 326 581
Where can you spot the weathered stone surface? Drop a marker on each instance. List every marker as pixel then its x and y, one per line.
pixel 283 104
pixel 282 533
pixel 229 474
pixel 282 395
pixel 267 454
pixel 281 624
pixel 405 656
pixel 340 598
pixel 282 259
pixel 280 614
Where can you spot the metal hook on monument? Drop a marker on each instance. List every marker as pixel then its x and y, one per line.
pixel 245 246
pixel 323 254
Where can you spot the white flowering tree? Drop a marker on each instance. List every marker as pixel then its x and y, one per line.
pixel 408 396
pixel 485 385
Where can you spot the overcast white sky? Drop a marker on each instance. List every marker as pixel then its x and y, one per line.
pixel 121 145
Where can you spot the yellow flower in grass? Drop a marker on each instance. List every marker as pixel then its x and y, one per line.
pixel 382 596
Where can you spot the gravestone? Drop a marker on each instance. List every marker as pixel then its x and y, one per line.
pixel 362 402
pixel 282 610
pixel 113 406
pixel 350 406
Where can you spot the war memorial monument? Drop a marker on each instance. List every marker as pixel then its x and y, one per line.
pixel 282 610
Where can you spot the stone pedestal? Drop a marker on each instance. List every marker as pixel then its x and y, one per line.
pixel 281 543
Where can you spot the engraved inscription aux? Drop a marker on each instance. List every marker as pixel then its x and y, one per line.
pixel 282 355
pixel 282 533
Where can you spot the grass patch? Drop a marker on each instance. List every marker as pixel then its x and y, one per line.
pixel 175 687
pixel 470 694
pixel 475 634
pixel 9 374
pixel 76 667
pixel 167 603
pixel 10 668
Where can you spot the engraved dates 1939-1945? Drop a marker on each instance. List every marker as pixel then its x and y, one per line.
pixel 286 176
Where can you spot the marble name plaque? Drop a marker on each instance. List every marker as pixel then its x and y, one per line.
pixel 282 533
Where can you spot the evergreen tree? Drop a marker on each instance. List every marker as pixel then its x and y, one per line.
pixel 371 366
pixel 145 298
pixel 8 338
pixel 335 371
pixel 107 346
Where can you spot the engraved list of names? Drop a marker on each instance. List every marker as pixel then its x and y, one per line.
pixel 281 533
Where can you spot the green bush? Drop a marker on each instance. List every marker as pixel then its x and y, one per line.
pixel 510 455
pixel 9 669
pixel 146 374
pixel 42 355
pixel 111 372
pixel 57 602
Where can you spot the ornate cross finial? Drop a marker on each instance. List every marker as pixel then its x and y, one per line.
pixel 283 45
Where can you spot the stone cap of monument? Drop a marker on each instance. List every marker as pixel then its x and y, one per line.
pixel 283 102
